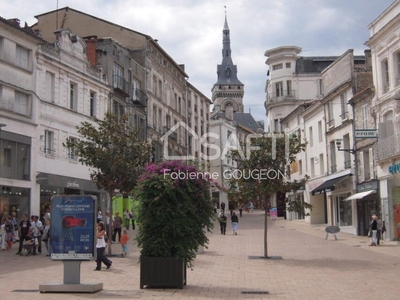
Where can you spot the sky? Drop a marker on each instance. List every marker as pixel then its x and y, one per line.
pixel 190 31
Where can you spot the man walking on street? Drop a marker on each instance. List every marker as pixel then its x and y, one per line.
pixel 23 231
pixel 117 225
pixel 37 228
pixel 222 222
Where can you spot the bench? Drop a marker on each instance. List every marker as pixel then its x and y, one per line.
pixel 332 230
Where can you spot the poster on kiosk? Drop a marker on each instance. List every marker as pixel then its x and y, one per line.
pixel 72 231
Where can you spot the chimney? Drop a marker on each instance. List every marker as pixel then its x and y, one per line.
pixel 91 42
pixel 14 22
pixel 368 60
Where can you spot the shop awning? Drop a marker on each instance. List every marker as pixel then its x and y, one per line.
pixel 360 195
pixel 328 185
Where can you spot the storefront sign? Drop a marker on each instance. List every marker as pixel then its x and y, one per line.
pixel 367 186
pixel 72 184
pixel 46 179
pixel 393 169
pixel 73 227
pixel 366 133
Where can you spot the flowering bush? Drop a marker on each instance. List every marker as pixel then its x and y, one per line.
pixel 175 210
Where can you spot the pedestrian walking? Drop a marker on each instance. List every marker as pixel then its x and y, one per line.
pixel 9 232
pixel 222 221
pixel 124 242
pixel 23 231
pixel 14 220
pixel 240 210
pixel 378 230
pixel 127 217
pixel 100 247
pixel 373 227
pixel 235 223
pixel 46 237
pixel 132 215
pixel 223 206
pixel 3 234
pixel 117 227
pixel 37 227
pixel 231 207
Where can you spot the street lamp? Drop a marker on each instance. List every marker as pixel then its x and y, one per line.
pixel 339 145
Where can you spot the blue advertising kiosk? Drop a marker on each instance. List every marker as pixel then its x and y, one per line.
pixel 72 239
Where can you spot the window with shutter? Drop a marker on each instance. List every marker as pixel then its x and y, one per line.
pixel 362 174
pixel 22 57
pixel 371 163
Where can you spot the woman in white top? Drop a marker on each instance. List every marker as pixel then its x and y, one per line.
pixel 100 247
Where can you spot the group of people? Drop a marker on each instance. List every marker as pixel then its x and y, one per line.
pixel 9 228
pixel 31 231
pixel 222 218
pixel 376 229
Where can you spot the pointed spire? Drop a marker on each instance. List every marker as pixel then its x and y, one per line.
pixel 226 27
pixel 227 71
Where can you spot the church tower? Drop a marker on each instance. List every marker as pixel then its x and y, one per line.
pixel 227 93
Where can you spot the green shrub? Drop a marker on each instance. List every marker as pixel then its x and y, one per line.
pixel 174 214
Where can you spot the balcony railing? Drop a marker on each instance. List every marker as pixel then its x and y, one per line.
pixel 287 95
pixel 139 97
pixel 121 84
pixel 387 147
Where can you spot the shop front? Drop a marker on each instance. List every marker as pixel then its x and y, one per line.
pixel 389 192
pixel 340 212
pixel 392 208
pixel 15 169
pixel 367 203
pixel 344 211
pixel 14 199
pixel 51 184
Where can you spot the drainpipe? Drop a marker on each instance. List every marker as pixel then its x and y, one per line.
pixel 186 118
pixel 353 110
pixel 332 222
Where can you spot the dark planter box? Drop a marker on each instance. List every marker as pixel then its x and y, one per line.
pixel 162 272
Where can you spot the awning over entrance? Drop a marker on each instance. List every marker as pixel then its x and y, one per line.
pixel 360 195
pixel 328 185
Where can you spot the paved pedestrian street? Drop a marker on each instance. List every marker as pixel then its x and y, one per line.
pixel 302 265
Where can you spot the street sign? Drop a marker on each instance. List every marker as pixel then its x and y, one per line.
pixel 366 133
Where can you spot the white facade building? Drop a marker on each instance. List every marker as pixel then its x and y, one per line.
pixel 71 91
pixel 19 107
pixel 384 42
pixel 46 90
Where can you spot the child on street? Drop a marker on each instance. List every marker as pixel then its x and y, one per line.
pixel 124 242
